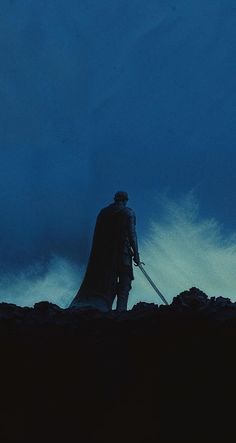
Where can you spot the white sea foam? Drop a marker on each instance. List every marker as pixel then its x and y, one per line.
pixel 182 250
pixel 58 285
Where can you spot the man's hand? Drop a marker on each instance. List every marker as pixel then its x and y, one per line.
pixel 136 259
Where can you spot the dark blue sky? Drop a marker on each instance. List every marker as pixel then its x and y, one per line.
pixel 101 96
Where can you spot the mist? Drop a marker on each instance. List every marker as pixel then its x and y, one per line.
pixel 181 249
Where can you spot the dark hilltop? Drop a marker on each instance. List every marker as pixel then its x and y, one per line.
pixel 152 374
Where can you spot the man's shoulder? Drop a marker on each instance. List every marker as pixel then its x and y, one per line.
pixel 106 210
pixel 112 208
pixel 102 212
pixel 129 212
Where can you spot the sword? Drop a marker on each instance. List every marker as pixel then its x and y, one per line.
pixel 151 283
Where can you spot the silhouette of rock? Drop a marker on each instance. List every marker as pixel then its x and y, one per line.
pixel 194 299
pixel 164 374
pixel 46 307
pixel 143 306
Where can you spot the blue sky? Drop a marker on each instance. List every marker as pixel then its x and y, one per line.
pixel 101 96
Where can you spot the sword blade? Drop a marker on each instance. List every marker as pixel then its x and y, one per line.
pixel 153 284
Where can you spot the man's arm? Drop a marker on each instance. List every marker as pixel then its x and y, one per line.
pixel 132 235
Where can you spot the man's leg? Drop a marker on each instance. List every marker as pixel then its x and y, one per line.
pixel 123 288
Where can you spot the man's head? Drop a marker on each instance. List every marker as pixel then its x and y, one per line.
pixel 121 196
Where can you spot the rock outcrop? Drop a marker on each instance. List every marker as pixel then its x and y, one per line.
pixel 155 373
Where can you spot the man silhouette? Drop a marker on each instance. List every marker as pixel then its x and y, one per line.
pixel 110 272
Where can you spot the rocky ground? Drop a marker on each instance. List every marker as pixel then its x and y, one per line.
pixel 153 374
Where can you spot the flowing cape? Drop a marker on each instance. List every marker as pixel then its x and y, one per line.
pixel 100 280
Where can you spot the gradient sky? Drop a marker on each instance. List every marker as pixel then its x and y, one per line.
pixel 98 96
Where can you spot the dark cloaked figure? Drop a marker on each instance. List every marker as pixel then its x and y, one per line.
pixel 110 272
